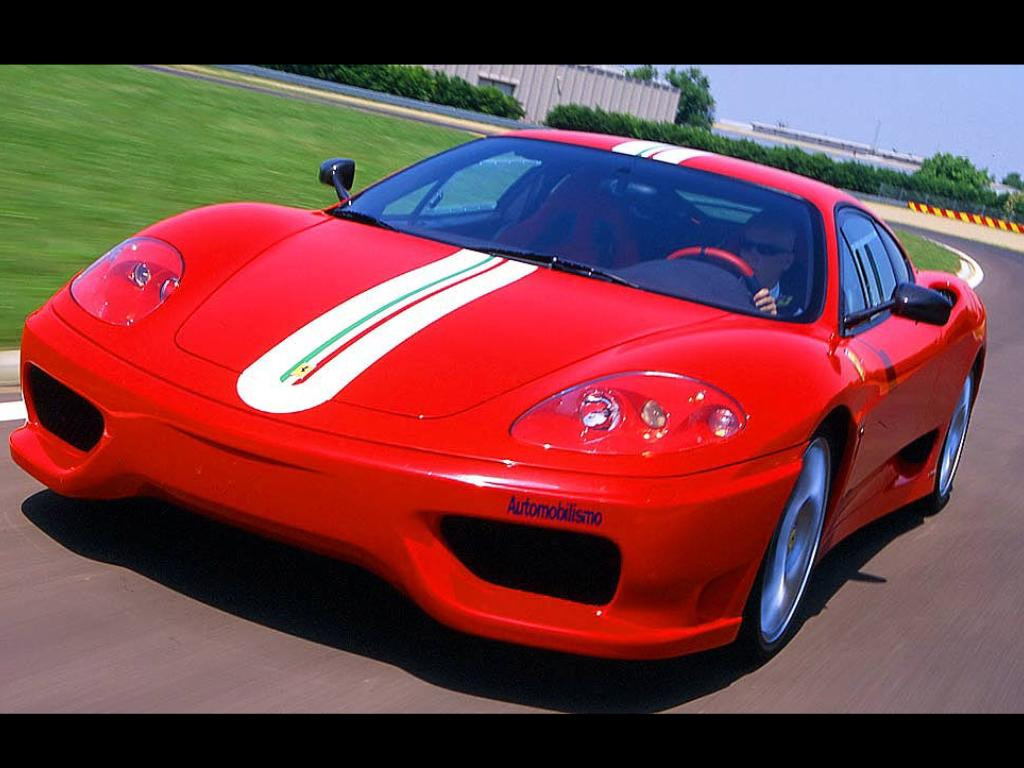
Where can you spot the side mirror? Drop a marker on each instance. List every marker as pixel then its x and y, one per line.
pixel 339 172
pixel 916 302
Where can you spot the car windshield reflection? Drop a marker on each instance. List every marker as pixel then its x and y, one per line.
pixel 661 227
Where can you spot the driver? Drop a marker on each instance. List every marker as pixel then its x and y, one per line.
pixel 769 247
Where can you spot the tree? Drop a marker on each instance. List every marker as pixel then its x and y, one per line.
pixel 645 72
pixel 1014 204
pixel 959 170
pixel 1014 180
pixel 696 105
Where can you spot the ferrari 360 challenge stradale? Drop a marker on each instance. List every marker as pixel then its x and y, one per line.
pixel 587 393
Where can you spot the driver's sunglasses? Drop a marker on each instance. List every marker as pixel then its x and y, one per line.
pixel 765 249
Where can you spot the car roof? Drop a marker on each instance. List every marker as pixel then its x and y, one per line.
pixel 825 197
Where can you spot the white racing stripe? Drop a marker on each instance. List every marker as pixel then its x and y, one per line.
pixel 640 147
pixel 260 385
pixel 13 411
pixel 666 153
pixel 678 155
pixel 299 344
pixel 372 306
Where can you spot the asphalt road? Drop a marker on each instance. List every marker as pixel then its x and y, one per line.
pixel 137 606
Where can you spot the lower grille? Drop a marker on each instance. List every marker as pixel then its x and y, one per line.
pixel 64 412
pixel 572 566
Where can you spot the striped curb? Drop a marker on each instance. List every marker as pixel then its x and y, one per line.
pixel 10 360
pixel 970 218
pixel 970 271
pixel 13 410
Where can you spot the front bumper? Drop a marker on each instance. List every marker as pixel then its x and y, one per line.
pixel 690 545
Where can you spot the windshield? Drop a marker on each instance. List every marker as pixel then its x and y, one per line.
pixel 661 227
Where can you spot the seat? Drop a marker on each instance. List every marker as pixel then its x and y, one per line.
pixel 582 221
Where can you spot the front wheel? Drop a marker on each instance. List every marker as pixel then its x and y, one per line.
pixel 952 448
pixel 773 609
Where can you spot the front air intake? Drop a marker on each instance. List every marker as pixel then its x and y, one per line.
pixel 64 412
pixel 573 566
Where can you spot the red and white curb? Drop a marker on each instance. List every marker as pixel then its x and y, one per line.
pixel 10 410
pixel 13 411
pixel 970 271
pixel 9 363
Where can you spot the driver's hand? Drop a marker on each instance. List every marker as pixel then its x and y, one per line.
pixel 763 301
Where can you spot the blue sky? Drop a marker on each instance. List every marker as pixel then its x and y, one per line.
pixel 971 110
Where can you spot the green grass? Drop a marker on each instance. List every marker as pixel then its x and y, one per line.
pixel 928 255
pixel 91 154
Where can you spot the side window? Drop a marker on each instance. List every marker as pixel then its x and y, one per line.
pixel 868 250
pixel 851 280
pixel 899 264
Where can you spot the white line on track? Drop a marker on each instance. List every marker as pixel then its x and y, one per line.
pixel 13 411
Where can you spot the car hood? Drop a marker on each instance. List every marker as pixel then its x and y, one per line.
pixel 397 323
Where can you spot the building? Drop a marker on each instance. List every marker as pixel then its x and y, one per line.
pixel 539 87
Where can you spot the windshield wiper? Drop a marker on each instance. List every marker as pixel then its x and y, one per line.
pixel 563 265
pixel 363 218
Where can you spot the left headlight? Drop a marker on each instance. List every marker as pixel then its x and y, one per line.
pixel 129 281
pixel 638 413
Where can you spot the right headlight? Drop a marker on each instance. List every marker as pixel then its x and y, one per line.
pixel 637 413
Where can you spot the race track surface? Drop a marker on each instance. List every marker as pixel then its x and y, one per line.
pixel 137 606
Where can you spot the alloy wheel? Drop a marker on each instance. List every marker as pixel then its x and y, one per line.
pixel 792 551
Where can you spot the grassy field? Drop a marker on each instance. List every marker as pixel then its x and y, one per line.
pixel 926 254
pixel 90 154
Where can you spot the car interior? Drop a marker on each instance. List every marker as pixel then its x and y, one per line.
pixel 658 225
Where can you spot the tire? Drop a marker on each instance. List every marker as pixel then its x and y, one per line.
pixel 952 448
pixel 774 609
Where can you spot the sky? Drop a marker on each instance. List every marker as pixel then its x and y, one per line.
pixel 971 110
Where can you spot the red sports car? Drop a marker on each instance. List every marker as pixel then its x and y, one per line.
pixel 599 395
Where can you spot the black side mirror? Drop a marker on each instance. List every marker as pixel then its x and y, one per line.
pixel 916 302
pixel 339 172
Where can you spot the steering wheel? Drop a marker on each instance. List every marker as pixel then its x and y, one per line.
pixel 723 258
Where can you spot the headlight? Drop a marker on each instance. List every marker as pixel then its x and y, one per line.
pixel 129 281
pixel 638 413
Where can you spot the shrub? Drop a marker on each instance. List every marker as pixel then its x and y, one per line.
pixel 959 170
pixel 413 82
pixel 949 179
pixel 1013 204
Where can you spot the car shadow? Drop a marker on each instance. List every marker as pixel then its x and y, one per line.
pixel 347 608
